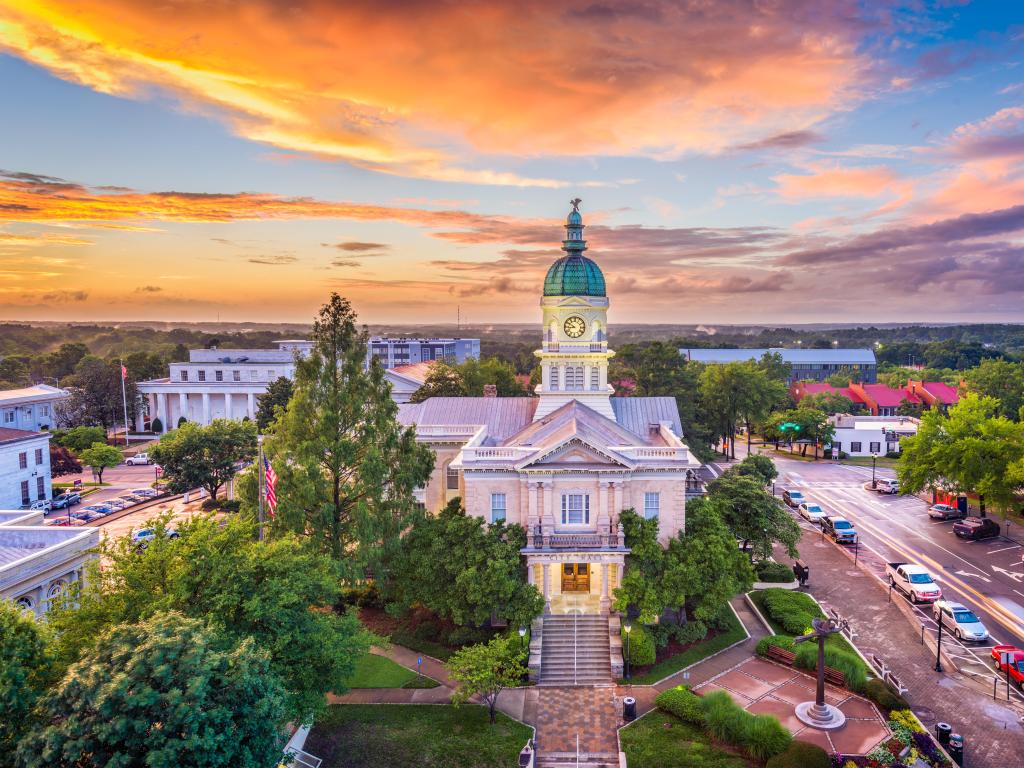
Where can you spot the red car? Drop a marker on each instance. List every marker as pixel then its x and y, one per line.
pixel 1016 662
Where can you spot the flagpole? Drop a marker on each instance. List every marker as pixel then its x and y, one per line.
pixel 124 400
pixel 261 473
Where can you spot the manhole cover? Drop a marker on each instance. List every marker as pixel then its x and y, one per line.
pixel 925 715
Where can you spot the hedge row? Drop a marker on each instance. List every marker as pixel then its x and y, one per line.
pixel 641 646
pixel 771 572
pixel 793 611
pixel 761 736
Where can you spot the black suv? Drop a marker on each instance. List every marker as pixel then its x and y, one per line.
pixel 976 528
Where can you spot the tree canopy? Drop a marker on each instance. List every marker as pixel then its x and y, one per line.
pixel 278 393
pixel 26 671
pixel 1002 380
pixel 100 456
pixel 486 670
pixel 63 461
pixel 168 692
pixel 753 515
pixel 737 391
pixel 78 439
pixel 830 403
pixel 468 379
pixel 278 592
pixel 205 457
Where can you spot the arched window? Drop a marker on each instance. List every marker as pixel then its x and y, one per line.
pixel 55 589
pixel 594 378
pixel 554 377
pixel 25 603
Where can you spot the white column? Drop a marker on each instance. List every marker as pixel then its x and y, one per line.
pixel 227 405
pixel 140 419
pixel 206 408
pixel 251 406
pixel 532 510
pixel 602 508
pixel 605 601
pixel 183 406
pixel 547 588
pixel 161 411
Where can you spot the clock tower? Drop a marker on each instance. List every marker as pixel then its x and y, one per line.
pixel 574 355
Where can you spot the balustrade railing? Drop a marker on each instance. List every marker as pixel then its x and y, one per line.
pixel 546 538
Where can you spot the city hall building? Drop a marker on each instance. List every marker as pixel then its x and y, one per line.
pixel 566 463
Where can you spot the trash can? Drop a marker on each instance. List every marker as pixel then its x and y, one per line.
pixel 956 748
pixel 942 731
pixel 629 709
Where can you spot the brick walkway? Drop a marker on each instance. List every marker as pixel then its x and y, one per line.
pixel 590 714
pixel 993 733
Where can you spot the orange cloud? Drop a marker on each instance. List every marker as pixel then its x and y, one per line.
pixel 835 181
pixel 414 88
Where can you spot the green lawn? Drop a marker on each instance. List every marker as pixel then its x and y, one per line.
pixel 374 671
pixel 865 461
pixel 694 653
pixel 415 736
pixel 661 740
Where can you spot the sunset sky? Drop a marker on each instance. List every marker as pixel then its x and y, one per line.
pixel 765 161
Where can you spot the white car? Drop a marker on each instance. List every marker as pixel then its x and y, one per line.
pixel 142 537
pixel 138 459
pixel 887 485
pixel 811 512
pixel 44 504
pixel 960 620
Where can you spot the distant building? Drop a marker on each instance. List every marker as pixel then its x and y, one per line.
pixel 406 379
pixel 38 562
pixel 30 408
pixel 24 467
pixel 866 435
pixel 393 352
pixel 218 383
pixel 883 400
pixel 805 364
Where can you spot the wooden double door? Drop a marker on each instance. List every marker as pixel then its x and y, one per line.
pixel 575 577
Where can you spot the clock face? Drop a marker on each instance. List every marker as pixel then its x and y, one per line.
pixel 574 327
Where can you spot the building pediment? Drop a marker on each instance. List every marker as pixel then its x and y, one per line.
pixel 575 451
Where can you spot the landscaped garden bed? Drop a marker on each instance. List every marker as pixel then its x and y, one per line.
pixel 415 736
pixel 674 656
pixel 661 740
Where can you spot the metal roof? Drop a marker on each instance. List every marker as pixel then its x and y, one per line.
pixel 503 416
pixel 833 356
pixel 637 414
pixel 35 392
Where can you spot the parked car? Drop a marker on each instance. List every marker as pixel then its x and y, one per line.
pixel 811 512
pixel 138 459
pixel 66 499
pixel 976 528
pixel 117 504
pixel 98 510
pixel 44 504
pixel 1015 657
pixel 884 485
pixel 148 493
pixel 960 620
pixel 793 498
pixel 131 498
pixel 839 529
pixel 944 512
pixel 913 581
pixel 143 536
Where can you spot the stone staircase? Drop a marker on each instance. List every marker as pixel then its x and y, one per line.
pixel 586 760
pixel 575 652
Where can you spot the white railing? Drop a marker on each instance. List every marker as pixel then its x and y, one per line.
pixel 455 429
pixel 492 454
pixel 669 453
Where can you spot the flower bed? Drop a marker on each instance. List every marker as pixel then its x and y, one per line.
pixel 909 744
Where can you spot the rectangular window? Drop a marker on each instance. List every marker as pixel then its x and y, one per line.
pixel 876 447
pixel 271 375
pixel 652 505
pixel 577 382
pixel 452 475
pixel 40 489
pixel 593 378
pixel 575 509
pixel 22 461
pixel 39 456
pixel 8 417
pixel 25 499
pixel 219 375
pixel 202 375
pixel 253 375
pixel 554 377
pixel 184 375
pixel 497 507
pixel 44 410
pixel 854 447
pixel 236 375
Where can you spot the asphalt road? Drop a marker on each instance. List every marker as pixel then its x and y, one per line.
pixel 986 576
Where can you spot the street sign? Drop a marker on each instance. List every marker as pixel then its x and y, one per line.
pixel 78 482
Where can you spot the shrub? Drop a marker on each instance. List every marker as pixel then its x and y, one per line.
pixel 801 755
pixel 880 693
pixel 851 665
pixel 641 647
pixel 907 719
pixel 785 642
pixel 683 703
pixel 772 572
pixel 156 425
pixel 690 632
pixel 794 611
pixel 224 505
pixel 765 736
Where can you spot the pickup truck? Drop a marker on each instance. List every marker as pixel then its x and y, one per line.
pixel 914 581
pixel 137 459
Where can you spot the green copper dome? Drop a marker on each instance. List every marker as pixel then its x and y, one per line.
pixel 574 274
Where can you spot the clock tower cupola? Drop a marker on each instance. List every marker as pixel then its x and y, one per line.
pixel 574 355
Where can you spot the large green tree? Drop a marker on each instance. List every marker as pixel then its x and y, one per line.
pixel 969 450
pixel 347 469
pixel 1002 380
pixel 754 516
pixel 443 380
pixel 95 397
pixel 205 457
pixel 830 403
pixel 278 393
pixel 464 570
pixel 169 692
pixel 100 456
pixel 26 671
pixel 279 593
pixel 79 438
pixel 485 670
pixel 734 392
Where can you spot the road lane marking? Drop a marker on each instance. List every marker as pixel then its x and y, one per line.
pixel 1004 549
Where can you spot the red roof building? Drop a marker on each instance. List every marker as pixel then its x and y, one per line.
pixel 935 394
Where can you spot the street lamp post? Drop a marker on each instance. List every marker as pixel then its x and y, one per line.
pixel 522 637
pixel 874 458
pixel 629 628
pixel 56 381
pixel 938 648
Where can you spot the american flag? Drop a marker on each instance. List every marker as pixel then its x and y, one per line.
pixel 271 479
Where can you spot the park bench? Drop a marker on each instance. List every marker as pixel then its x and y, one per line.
pixel 832 676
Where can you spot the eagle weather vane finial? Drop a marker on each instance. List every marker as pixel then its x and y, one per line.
pixel 575 202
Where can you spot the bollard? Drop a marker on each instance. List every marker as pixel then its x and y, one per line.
pixel 956 748
pixel 942 731
pixel 629 709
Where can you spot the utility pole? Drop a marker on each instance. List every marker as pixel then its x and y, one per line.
pixel 124 399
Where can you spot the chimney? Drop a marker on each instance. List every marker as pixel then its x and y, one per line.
pixel 490 390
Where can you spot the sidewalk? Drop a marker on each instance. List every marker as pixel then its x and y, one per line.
pixel 994 736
